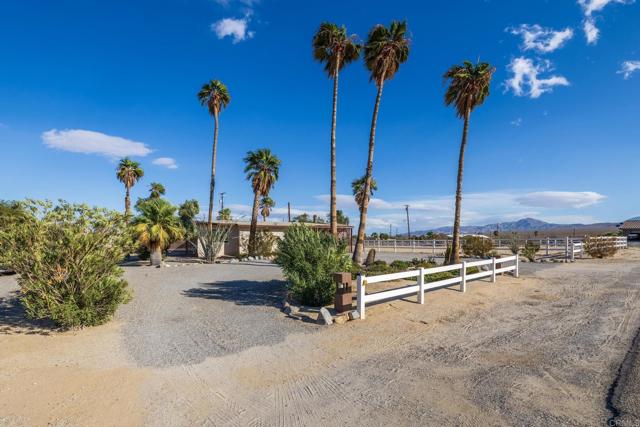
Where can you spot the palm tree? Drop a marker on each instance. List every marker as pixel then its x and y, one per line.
pixel 333 47
pixel 187 213
pixel 266 203
pixel 215 96
pixel 224 214
pixel 128 172
pixel 385 50
pixel 262 169
pixel 156 190
pixel 342 218
pixel 157 226
pixel 468 88
pixel 357 187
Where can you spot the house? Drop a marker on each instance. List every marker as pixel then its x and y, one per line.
pixel 238 239
pixel 631 228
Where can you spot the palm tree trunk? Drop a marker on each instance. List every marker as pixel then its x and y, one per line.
pixel 254 224
pixel 358 253
pixel 212 187
pixel 333 210
pixel 127 202
pixel 454 257
pixel 155 257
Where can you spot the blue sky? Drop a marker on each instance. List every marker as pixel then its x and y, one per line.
pixel 84 82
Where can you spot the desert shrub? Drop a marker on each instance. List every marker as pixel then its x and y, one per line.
pixel 400 265
pixel 266 243
pixel 599 248
pixel 475 246
pixel 212 239
pixel 67 260
pixel 308 259
pixel 530 250
pixel 424 263
pixel 514 245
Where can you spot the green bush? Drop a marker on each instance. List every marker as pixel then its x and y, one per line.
pixel 67 260
pixel 308 259
pixel 475 246
pixel 530 250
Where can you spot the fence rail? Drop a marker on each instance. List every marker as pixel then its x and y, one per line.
pixel 496 267
pixel 547 245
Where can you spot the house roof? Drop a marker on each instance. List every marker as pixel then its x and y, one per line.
pixel 277 224
pixel 631 224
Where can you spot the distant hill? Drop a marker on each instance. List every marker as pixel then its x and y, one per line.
pixel 524 225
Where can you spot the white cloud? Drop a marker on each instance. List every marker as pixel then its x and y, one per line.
pixel 590 6
pixel 525 80
pixel 560 199
pixel 540 39
pixel 167 162
pixel 90 142
pixel 628 68
pixel 237 29
pixel 592 32
pixel 517 122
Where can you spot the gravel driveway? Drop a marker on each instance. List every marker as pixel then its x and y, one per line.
pixel 185 313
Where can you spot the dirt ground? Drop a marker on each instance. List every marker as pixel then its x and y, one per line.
pixel 551 348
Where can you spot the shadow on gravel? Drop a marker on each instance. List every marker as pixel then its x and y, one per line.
pixel 14 320
pixel 242 292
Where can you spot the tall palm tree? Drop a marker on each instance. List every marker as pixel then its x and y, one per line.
pixel 128 172
pixel 215 96
pixel 333 47
pixel 156 190
pixel 357 187
pixel 157 226
pixel 262 169
pixel 385 50
pixel 468 88
pixel 266 203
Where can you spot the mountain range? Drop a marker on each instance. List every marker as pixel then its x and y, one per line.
pixel 521 225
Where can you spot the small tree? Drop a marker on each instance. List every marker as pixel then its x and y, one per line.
pixel 157 227
pixel 67 260
pixel 514 245
pixel 224 214
pixel 476 246
pixel 187 213
pixel 308 259
pixel 530 250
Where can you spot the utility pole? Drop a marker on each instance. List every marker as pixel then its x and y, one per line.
pixel 390 232
pixel 408 227
pixel 222 200
pixel 289 211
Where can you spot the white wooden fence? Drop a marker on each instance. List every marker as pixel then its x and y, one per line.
pixel 496 267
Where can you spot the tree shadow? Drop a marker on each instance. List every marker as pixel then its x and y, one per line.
pixel 242 292
pixel 14 320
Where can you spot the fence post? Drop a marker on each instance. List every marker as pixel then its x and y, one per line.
pixel 517 272
pixel 573 251
pixel 566 248
pixel 463 277
pixel 547 246
pixel 493 270
pixel 413 245
pixel 433 245
pixel 395 243
pixel 421 286
pixel 360 289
